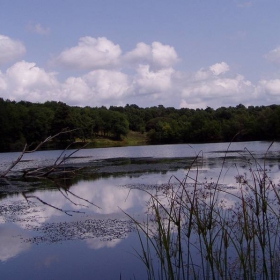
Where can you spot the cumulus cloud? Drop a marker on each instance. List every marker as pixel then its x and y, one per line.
pixel 89 54
pixel 211 88
pixel 38 28
pixel 145 76
pixel 26 81
pixel 10 49
pixel 219 68
pixel 3 83
pixel 267 92
pixel 95 87
pixel 101 53
pixel 274 56
pixel 206 87
pixel 163 55
pixel 156 56
pixel 142 54
pixel 153 82
pixel 220 87
pixel 271 87
pixel 76 91
pixel 108 84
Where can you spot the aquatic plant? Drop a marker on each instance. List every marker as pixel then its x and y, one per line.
pixel 191 232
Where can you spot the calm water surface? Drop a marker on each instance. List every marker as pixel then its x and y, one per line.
pixel 37 241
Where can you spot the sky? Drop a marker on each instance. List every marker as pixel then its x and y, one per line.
pixel 175 53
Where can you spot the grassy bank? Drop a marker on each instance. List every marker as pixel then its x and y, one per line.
pixel 132 139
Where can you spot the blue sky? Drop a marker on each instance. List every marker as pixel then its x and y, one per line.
pixel 191 53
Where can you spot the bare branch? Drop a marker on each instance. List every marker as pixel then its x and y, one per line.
pixel 42 171
pixel 66 197
pixel 2 175
pixel 50 138
pixel 67 212
pixel 83 199
pixel 46 171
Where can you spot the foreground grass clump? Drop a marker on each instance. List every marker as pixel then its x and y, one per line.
pixel 193 232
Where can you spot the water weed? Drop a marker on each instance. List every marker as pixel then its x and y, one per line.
pixel 193 232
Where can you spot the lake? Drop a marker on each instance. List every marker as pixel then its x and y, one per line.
pixel 77 228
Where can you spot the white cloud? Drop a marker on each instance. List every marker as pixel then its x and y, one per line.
pixel 108 84
pixel 26 81
pixel 153 82
pixel 152 75
pixel 96 87
pixel 76 91
pixel 219 68
pixel 142 54
pixel 209 88
pixel 3 83
pixel 10 49
pixel 101 53
pixel 11 245
pixel 25 75
pixel 164 56
pixel 215 69
pixel 38 28
pixel 89 54
pixel 157 55
pixel 271 87
pixel 274 56
pixel 98 244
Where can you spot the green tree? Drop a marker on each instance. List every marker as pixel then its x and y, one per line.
pixel 63 119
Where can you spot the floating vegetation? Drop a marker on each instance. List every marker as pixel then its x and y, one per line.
pixel 173 185
pixel 29 216
pixel 104 230
pixel 21 212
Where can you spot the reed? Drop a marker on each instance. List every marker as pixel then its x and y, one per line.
pixel 192 233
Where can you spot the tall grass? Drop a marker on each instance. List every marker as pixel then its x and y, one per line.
pixel 191 232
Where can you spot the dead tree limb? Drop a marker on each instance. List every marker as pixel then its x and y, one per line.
pixel 14 163
pixel 75 195
pixel 45 172
pixel 67 212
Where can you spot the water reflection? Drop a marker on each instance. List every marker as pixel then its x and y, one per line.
pixel 118 186
pixel 98 244
pixel 10 243
pixel 100 227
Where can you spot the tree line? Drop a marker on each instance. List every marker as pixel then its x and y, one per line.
pixel 25 122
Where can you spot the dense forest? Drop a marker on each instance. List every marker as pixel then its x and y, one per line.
pixel 25 122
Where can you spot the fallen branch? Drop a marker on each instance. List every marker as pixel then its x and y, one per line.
pixel 43 171
pixel 46 171
pixel 2 175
